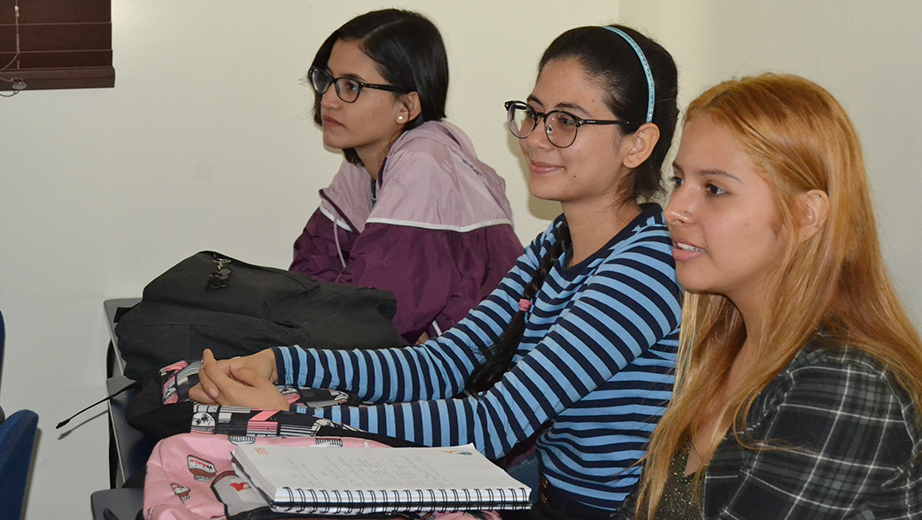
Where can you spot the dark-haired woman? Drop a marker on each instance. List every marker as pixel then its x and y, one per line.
pixel 578 342
pixel 411 210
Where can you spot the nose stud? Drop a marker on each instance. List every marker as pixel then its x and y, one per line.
pixel 676 216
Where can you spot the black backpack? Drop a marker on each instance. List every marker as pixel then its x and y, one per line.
pixel 213 301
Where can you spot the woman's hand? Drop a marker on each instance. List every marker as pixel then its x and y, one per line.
pixel 262 364
pixel 245 381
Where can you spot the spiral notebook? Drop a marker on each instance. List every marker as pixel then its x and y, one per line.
pixel 338 480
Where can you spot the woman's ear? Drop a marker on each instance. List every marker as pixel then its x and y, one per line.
pixel 408 107
pixel 813 208
pixel 637 147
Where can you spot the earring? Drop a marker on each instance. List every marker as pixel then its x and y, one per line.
pixel 400 119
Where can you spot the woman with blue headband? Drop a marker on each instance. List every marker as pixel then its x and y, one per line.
pixel 575 348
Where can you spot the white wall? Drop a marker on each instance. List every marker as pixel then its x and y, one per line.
pixel 205 142
pixel 865 53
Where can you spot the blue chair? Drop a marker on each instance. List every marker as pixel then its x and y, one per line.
pixel 2 341
pixel 17 438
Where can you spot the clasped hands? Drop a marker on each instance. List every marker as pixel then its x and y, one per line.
pixel 247 381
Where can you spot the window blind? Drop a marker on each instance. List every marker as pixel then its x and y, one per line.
pixel 55 44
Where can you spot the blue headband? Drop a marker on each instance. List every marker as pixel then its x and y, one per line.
pixel 651 93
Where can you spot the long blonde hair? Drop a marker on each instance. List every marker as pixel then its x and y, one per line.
pixel 800 139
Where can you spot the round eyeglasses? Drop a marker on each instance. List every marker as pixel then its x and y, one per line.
pixel 347 89
pixel 560 127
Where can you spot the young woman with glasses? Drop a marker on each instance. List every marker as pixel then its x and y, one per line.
pixel 411 210
pixel 800 375
pixel 577 344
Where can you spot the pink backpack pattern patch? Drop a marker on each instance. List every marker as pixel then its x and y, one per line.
pixel 190 477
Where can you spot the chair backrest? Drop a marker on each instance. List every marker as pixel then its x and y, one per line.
pixel 17 438
pixel 2 341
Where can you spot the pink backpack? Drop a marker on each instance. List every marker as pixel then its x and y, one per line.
pixel 190 477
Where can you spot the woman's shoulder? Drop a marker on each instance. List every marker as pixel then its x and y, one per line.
pixel 645 238
pixel 827 357
pixel 833 377
pixel 435 134
pixel 827 362
pixel 433 179
pixel 832 433
pixel 650 225
pixel 436 142
pixel 439 152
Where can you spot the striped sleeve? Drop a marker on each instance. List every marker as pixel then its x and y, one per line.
pixel 583 329
pixel 439 368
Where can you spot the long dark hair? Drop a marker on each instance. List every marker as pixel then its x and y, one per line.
pixel 410 53
pixel 611 61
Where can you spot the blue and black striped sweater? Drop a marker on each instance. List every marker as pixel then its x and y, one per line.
pixel 595 365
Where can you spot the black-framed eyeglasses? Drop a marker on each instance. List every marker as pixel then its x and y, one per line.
pixel 560 127
pixel 347 89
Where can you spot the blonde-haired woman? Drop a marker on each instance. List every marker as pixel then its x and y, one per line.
pixel 800 375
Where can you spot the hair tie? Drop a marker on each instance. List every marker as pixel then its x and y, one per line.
pixel 524 305
pixel 651 93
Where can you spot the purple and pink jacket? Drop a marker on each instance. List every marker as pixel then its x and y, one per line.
pixel 435 229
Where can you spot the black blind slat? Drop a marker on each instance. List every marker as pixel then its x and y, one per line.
pixel 7 40
pixel 65 37
pixel 87 77
pixel 56 11
pixel 59 59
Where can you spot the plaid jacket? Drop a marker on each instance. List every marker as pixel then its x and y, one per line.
pixel 850 446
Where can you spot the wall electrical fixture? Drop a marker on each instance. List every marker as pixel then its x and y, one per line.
pixel 55 44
